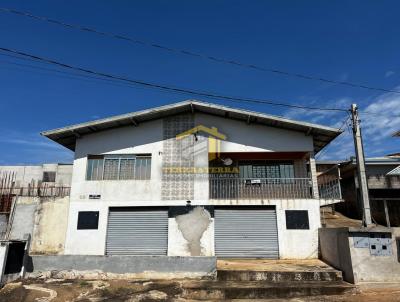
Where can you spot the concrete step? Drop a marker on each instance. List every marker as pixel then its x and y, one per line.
pixel 220 290
pixel 279 276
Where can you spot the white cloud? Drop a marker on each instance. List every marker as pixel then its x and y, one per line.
pixel 380 118
pixel 389 73
pixel 32 148
pixel 323 117
pixel 27 139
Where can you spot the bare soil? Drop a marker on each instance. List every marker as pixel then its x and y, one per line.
pixel 336 220
pixel 151 291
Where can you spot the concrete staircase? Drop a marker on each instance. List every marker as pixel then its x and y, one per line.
pixel 267 283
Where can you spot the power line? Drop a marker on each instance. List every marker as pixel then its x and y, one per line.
pixel 165 87
pixel 193 54
pixel 320 154
pixel 71 75
pixel 116 82
pixel 340 138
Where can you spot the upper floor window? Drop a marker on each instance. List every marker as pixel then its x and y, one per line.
pixel 118 167
pixel 49 176
pixel 265 169
pixel 270 172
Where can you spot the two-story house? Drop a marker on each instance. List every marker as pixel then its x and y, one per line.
pixel 195 179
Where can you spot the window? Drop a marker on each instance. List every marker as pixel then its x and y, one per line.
pixel 49 177
pixel 118 167
pixel 297 220
pixel 88 220
pixel 272 171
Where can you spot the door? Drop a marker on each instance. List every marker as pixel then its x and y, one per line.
pixel 137 231
pixel 243 232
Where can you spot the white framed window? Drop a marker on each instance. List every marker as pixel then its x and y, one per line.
pixel 118 167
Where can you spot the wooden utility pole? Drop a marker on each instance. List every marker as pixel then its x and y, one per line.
pixel 362 178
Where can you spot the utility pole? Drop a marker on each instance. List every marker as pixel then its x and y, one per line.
pixel 362 178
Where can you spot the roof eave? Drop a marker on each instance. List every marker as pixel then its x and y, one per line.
pixel 67 136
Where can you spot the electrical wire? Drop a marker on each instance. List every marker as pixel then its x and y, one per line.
pixel 193 54
pixel 337 140
pixel 165 87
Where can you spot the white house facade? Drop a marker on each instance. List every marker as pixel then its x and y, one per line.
pixel 195 179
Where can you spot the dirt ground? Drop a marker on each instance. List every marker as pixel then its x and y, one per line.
pixel 146 291
pixel 335 219
pixel 88 291
pixel 281 265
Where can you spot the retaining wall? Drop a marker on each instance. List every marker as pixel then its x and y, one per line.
pixel 103 267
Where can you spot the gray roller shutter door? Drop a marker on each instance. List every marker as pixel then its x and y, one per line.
pixel 137 232
pixel 246 233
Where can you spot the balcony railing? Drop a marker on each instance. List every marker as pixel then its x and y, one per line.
pixel 329 189
pixel 260 188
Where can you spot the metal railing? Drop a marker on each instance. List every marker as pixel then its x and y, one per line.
pixel 329 189
pixel 42 191
pixel 260 188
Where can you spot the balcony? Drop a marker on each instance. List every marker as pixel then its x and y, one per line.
pixel 271 188
pixel 260 188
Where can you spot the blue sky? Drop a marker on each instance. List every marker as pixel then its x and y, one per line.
pixel 356 41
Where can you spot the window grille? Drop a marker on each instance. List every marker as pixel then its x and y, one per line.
pixel 118 167
pixel 272 172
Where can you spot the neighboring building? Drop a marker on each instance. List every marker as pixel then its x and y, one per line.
pixel 196 179
pixel 52 174
pixel 47 180
pixel 383 175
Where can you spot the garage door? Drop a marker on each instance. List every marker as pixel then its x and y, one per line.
pixel 133 231
pixel 246 233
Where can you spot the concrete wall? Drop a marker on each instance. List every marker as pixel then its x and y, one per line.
pixel 293 244
pixel 129 266
pixel 145 139
pixel 358 265
pixel 26 174
pixel 298 244
pixel 86 242
pixel 242 137
pixel 191 234
pixel 335 250
pixel 24 217
pixel 50 226
pixel 45 219
pixel 369 268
